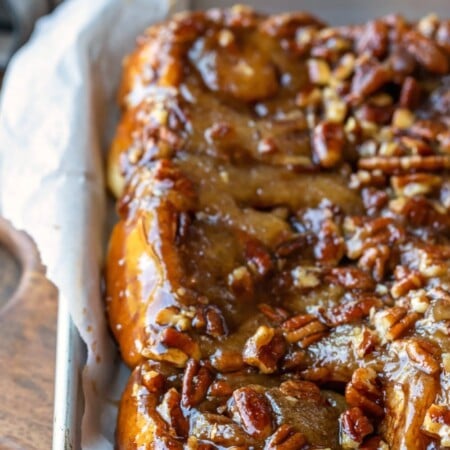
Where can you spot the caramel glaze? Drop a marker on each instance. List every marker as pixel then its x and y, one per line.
pixel 279 277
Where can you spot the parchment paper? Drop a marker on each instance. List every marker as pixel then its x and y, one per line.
pixel 57 113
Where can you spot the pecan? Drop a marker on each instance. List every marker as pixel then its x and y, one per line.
pixel 301 390
pixel 220 388
pixel 215 322
pixel 427 129
pixel 437 423
pixel 354 427
pixel 374 443
pixel 364 392
pixel 426 52
pixel 380 115
pixel 365 341
pixel 175 317
pixel 328 144
pixel 369 77
pixel 196 381
pixel 173 338
pixel 402 118
pixel 273 313
pixel 424 355
pixel 305 277
pixel 264 349
pixel 285 438
pixel 415 184
pixel 374 261
pixel 393 323
pixel 410 94
pixel 374 199
pixel 253 412
pixel 152 380
pixel 416 146
pixel 319 71
pixel 351 278
pixel 258 258
pixel 411 280
pixel 374 39
pixel 170 410
pixel 241 281
pixel 351 311
pixel 304 329
pixel 402 164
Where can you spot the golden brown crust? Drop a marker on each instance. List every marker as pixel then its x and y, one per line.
pixel 285 223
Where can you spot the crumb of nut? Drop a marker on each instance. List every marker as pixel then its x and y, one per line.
pixel 388 149
pixel 224 176
pixel 305 277
pixel 402 118
pixel 328 143
pixel 446 362
pixel 345 67
pixel 173 316
pixel 319 71
pixel 240 279
pixel 335 111
pixel 419 300
pixel 437 423
pixel 428 25
pixel 225 38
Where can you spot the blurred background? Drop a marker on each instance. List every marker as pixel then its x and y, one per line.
pixel 17 19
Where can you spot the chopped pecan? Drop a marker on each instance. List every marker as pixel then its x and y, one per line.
pixel 173 338
pixel 374 39
pixel 410 93
pixel 253 412
pixel 215 322
pixel 241 281
pixel 354 427
pixel 415 184
pixel 175 317
pixel 363 391
pixel 285 438
pixel 427 129
pixel 426 52
pixel 364 341
pixel 153 380
pixel 437 423
pixel 351 278
pixel 424 355
pixel 409 281
pixel 369 77
pixel 402 164
pixel 375 260
pixel 301 389
pixel 393 323
pixel 258 258
pixel 220 388
pixel 170 410
pixel 304 329
pixel 351 310
pixel 305 277
pixel 328 144
pixel 196 381
pixel 319 71
pixel 273 313
pixel 264 349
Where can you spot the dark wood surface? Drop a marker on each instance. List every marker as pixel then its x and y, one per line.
pixel 27 359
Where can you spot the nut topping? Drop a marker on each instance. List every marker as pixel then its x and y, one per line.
pixel 285 438
pixel 355 426
pixel 304 329
pixel 196 381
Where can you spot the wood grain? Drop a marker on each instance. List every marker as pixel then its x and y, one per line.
pixel 27 360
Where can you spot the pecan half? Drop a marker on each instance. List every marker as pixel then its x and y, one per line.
pixel 196 381
pixel 170 410
pixel 424 355
pixel 393 323
pixel 301 389
pixel 354 427
pixel 363 391
pixel 253 412
pixel 403 164
pixel 285 438
pixel 173 338
pixel 304 329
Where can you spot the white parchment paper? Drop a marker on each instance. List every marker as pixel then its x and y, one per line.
pixel 57 112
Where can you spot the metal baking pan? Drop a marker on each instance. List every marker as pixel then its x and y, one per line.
pixel 71 351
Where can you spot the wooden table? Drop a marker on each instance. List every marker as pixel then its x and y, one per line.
pixel 27 360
